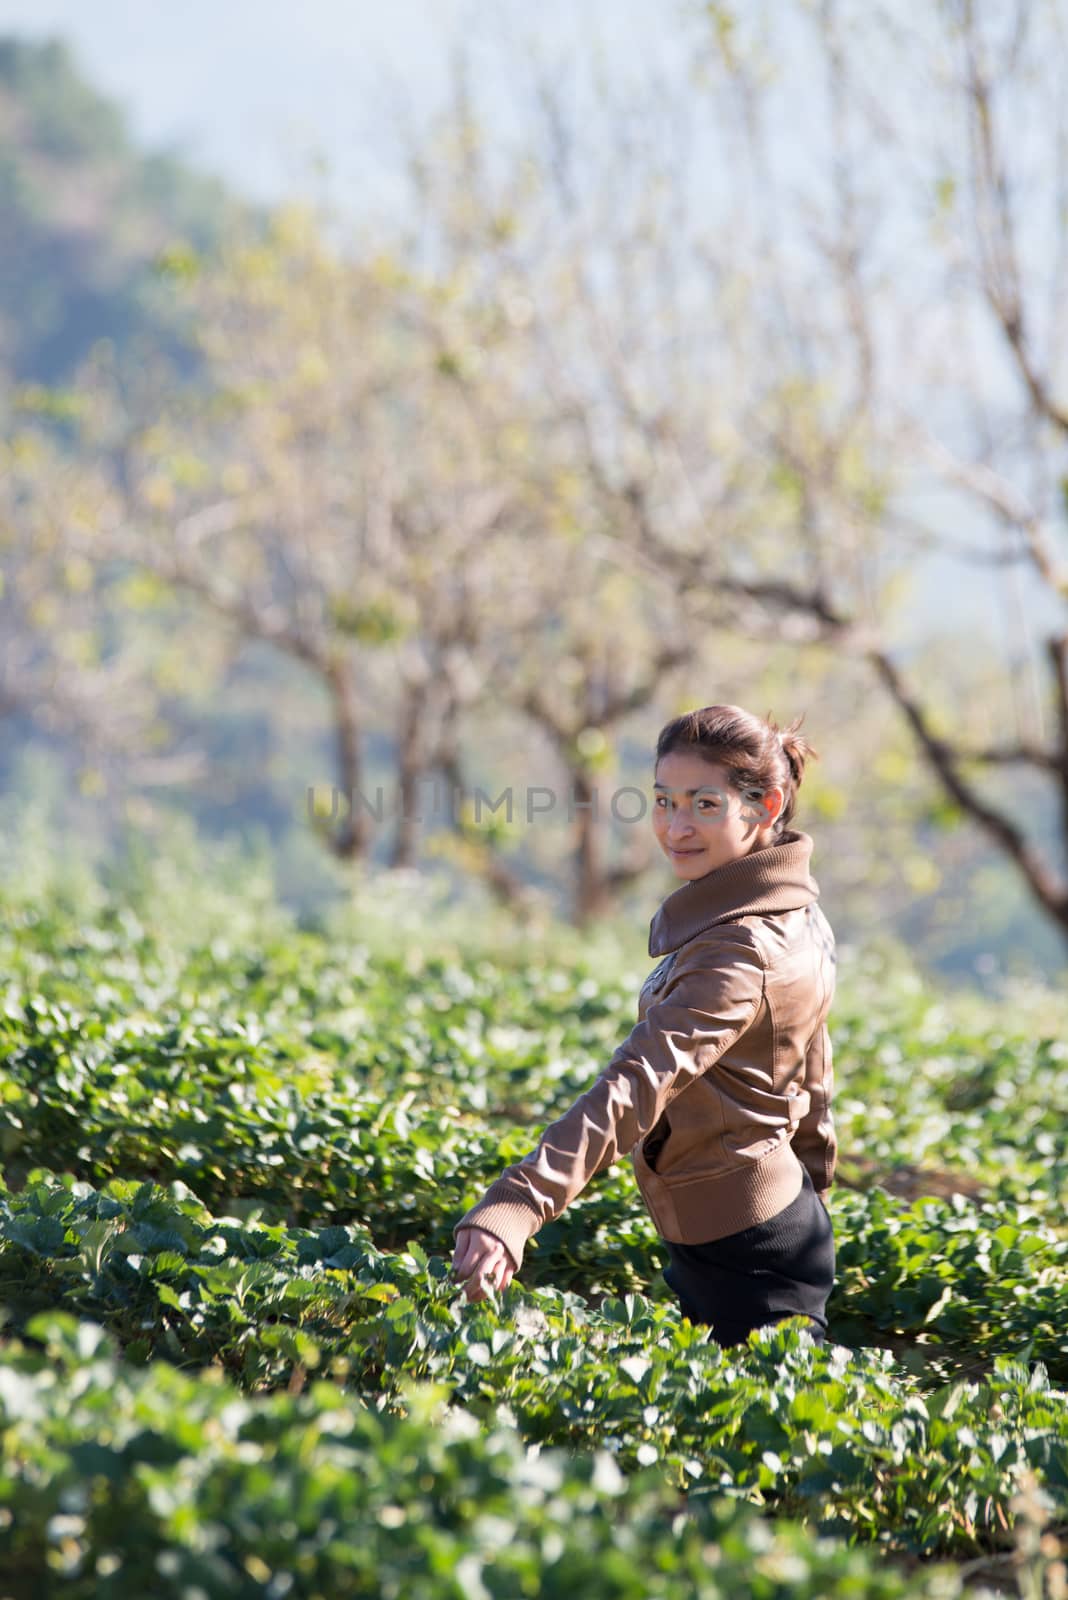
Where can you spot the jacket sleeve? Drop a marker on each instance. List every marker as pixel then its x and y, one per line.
pixel 815 1140
pixel 710 999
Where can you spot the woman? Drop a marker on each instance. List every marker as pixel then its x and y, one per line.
pixel 721 1093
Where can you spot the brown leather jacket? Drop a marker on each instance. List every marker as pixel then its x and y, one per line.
pixel 722 1090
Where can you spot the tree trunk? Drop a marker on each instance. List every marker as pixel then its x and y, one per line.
pixel 593 895
pixel 351 840
pixel 410 768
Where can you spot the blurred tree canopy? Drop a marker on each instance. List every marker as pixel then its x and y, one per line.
pixel 481 501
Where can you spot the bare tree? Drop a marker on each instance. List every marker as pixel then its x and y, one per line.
pixel 766 449
pixel 319 498
pixel 933 398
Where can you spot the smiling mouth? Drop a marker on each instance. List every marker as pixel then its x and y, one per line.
pixel 675 852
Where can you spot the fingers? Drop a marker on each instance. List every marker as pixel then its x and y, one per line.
pixel 498 1275
pixel 472 1254
pixel 468 1257
pixel 474 1248
pixel 481 1259
pixel 481 1272
pixel 475 1286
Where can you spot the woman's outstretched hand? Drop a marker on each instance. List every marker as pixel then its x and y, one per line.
pixel 481 1258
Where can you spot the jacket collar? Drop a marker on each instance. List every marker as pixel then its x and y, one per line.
pixel 776 878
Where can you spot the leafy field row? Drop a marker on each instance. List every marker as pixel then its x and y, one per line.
pixel 954 1271
pixel 846 1438
pixel 235 1360
pixel 248 1071
pixel 117 1481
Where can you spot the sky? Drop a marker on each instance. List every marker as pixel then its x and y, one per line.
pixel 255 89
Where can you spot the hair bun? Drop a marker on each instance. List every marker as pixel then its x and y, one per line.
pixel 796 749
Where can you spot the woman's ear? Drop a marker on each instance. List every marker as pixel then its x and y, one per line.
pixel 773 802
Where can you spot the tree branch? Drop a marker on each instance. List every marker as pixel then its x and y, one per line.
pixel 1001 273
pixel 1049 890
pixel 1004 498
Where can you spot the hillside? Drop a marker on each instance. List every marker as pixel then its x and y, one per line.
pixel 85 215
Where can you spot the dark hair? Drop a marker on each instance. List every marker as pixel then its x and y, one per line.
pixel 756 754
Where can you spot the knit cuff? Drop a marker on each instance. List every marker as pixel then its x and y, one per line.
pixel 510 1221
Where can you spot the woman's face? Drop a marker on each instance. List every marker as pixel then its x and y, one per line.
pixel 701 822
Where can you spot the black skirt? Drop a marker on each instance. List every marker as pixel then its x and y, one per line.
pixel 780 1268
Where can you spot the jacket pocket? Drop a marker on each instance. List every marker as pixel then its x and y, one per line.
pixel 654 1142
pixel 655 1195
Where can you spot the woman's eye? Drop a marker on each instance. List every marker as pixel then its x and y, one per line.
pixel 660 801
